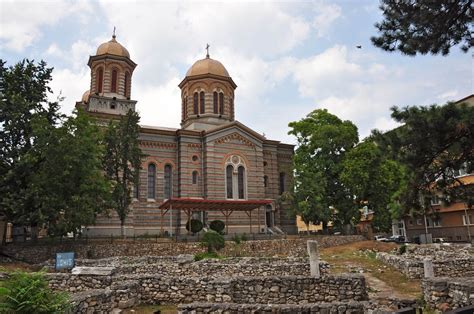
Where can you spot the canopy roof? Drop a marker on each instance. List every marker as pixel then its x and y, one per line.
pixel 194 204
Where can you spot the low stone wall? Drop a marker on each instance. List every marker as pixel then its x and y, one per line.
pixel 448 293
pixel 413 268
pixel 287 247
pixel 335 307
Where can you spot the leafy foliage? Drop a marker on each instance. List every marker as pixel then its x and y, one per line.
pixel 213 241
pixel 323 140
pixel 217 225
pixel 433 144
pixel 424 26
pixel 196 225
pixel 29 293
pixel 24 94
pixel 122 161
pixel 206 255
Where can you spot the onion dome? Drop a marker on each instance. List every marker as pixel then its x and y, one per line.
pixel 112 47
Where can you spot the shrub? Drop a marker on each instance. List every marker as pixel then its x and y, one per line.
pixel 237 239
pixel 243 237
pixel 196 225
pixel 402 249
pixel 29 293
pixel 205 255
pixel 217 225
pixel 213 241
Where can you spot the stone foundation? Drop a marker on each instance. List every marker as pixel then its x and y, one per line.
pixel 448 293
pixel 288 247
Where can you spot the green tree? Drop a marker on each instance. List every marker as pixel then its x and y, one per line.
pixel 433 143
pixel 424 26
pixel 323 140
pixel 373 180
pixel 122 161
pixel 24 94
pixel 71 186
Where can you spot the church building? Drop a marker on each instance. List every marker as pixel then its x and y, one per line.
pixel 212 168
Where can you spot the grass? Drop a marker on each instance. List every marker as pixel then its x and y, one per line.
pixel 149 309
pixel 361 255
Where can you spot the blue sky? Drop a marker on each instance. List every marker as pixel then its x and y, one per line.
pixel 287 58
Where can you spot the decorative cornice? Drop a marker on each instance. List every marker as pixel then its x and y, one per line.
pixel 234 136
pixel 152 144
pixel 194 145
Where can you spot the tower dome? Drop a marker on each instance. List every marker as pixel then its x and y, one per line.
pixel 207 66
pixel 112 47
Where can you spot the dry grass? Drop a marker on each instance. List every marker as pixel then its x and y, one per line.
pixel 361 255
pixel 149 309
pixel 18 266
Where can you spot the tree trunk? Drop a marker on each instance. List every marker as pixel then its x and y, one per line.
pixel 122 228
pixel 325 227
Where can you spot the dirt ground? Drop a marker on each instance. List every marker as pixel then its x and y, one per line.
pixel 383 281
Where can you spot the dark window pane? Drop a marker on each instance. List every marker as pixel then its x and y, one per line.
pixel 151 180
pixel 126 83
pixel 113 87
pixel 100 78
pixel 215 103
pixel 195 107
pixel 265 181
pixel 240 181
pixel 228 174
pixel 201 101
pixel 168 182
pixel 282 182
pixel 221 103
pixel 195 177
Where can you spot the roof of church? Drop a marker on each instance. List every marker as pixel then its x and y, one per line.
pixel 112 47
pixel 207 66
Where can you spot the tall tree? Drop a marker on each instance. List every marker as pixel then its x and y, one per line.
pixel 70 183
pixel 122 161
pixel 24 94
pixel 323 140
pixel 434 143
pixel 424 26
pixel 374 180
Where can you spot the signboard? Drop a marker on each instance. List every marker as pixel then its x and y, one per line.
pixel 64 260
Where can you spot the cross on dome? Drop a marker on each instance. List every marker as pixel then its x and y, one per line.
pixel 207 49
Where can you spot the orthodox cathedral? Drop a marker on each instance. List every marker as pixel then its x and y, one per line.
pixel 212 168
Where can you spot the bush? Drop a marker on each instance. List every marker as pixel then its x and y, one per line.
pixel 196 225
pixel 218 226
pixel 402 249
pixel 205 255
pixel 213 241
pixel 243 237
pixel 29 293
pixel 237 239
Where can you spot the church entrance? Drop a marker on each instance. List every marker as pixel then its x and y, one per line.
pixel 269 217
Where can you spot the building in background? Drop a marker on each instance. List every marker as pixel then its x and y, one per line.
pixel 212 168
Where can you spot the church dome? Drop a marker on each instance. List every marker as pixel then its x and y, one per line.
pixel 85 96
pixel 113 47
pixel 207 66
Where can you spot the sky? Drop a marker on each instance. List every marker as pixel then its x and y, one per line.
pixel 287 58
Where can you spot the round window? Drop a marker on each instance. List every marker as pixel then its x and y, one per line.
pixel 195 158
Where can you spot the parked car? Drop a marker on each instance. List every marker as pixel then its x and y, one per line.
pixel 396 239
pixel 380 238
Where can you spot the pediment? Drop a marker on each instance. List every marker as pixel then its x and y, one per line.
pixel 235 131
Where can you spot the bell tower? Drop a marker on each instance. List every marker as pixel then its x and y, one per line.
pixel 111 80
pixel 207 95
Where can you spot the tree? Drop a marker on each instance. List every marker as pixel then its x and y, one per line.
pixel 424 26
pixel 433 144
pixel 323 140
pixel 71 186
pixel 24 94
pixel 374 180
pixel 122 161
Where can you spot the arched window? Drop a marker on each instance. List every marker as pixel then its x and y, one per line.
pixel 282 182
pixel 240 182
pixel 201 102
pixel 100 79
pixel 265 181
pixel 215 103
pixel 151 181
pixel 195 104
pixel 136 190
pixel 126 83
pixel 168 182
pixel 195 177
pixel 113 86
pixel 221 103
pixel 229 186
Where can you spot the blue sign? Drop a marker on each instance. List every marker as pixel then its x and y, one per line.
pixel 64 260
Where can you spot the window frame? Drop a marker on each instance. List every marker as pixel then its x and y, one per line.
pixel 167 185
pixel 152 188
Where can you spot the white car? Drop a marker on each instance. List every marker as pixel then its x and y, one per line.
pixel 380 238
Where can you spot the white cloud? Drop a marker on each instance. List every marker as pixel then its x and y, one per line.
pixel 71 85
pixel 325 15
pixel 20 21
pixel 448 95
